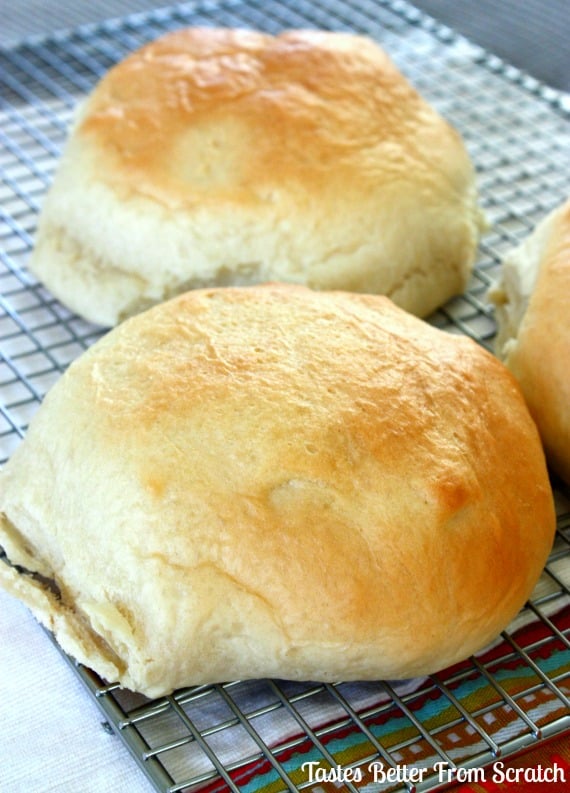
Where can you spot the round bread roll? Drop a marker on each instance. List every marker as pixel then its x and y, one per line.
pixel 220 157
pixel 533 336
pixel 276 482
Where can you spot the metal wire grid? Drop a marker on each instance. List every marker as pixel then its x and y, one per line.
pixel 518 134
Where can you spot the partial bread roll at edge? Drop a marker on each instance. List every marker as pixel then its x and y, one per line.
pixel 277 482
pixel 221 156
pixel 533 337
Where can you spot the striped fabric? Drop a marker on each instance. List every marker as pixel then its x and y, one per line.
pixel 437 713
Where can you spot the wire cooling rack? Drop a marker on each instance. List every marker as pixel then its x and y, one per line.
pixel 262 736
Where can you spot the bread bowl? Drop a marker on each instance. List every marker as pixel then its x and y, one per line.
pixel 272 481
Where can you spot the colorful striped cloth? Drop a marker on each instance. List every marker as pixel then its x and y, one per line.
pixel 437 704
pixel 542 770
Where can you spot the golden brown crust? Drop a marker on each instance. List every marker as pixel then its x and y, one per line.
pixel 271 481
pixel 540 358
pixel 299 109
pixel 231 156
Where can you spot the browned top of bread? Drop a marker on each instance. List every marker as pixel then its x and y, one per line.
pixel 271 481
pixel 231 114
pixel 222 157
